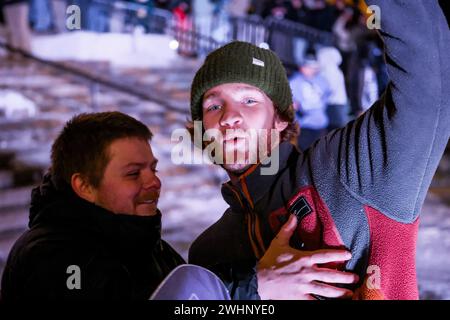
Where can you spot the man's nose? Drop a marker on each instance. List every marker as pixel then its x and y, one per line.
pixel 231 117
pixel 150 180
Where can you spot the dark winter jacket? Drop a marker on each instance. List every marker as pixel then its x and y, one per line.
pixel 361 187
pixel 119 256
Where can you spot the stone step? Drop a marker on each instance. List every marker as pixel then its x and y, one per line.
pixel 6 179
pixel 35 157
pixel 7 240
pixel 18 197
pixel 44 122
pixel 6 156
pixel 21 175
pixel 13 220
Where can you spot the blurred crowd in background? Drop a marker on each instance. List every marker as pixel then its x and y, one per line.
pixel 331 82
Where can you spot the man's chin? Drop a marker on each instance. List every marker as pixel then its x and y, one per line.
pixel 147 214
pixel 236 169
pixel 146 210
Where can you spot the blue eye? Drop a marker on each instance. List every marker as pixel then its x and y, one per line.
pixel 214 107
pixel 250 101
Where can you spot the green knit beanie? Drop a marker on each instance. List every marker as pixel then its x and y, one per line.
pixel 242 62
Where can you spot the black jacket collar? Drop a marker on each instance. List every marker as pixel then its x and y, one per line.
pixel 60 207
pixel 253 185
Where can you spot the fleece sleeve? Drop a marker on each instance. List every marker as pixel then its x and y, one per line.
pixel 388 156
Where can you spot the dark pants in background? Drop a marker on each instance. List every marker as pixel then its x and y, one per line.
pixel 308 136
pixel 337 116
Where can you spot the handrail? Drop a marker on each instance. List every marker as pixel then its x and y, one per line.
pixel 250 28
pixel 159 13
pixel 297 28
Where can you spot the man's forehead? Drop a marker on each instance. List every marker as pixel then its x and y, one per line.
pixel 131 164
pixel 136 161
pixel 235 87
pixel 131 150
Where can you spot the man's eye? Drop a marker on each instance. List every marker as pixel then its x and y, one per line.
pixel 250 101
pixel 214 107
pixel 133 174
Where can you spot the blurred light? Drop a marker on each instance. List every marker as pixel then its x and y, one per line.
pixel 141 13
pixel 264 45
pixel 174 44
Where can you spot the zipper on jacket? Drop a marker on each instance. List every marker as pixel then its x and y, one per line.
pixel 254 224
pixel 259 252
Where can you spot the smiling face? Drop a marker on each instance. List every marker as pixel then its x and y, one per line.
pixel 235 110
pixel 129 184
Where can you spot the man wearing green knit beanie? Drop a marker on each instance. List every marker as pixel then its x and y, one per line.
pixel 243 88
pixel 339 219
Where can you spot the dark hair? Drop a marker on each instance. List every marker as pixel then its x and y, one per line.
pixel 293 129
pixel 82 146
pixel 290 133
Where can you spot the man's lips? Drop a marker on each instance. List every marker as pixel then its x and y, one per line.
pixel 150 198
pixel 149 201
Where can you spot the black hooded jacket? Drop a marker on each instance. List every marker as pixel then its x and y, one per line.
pixel 118 256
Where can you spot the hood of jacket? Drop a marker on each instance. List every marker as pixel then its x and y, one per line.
pixel 329 57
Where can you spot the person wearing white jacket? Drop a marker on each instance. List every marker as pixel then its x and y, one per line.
pixel 337 105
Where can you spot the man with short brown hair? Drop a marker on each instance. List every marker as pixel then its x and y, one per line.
pixel 95 229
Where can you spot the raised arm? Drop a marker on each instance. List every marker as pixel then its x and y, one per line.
pixel 388 156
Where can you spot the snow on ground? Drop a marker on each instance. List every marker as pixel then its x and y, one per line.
pixel 125 50
pixel 14 105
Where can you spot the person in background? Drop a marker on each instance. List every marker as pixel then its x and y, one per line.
pixel 337 103
pixel 59 8
pixel 310 92
pixel 18 30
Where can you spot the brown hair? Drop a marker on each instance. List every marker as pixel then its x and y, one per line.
pixel 82 146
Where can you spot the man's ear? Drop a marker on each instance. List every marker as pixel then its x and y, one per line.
pixel 280 124
pixel 82 188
